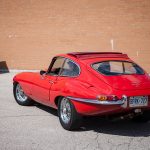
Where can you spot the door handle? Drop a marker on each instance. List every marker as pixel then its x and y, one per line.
pixel 52 82
pixel 43 76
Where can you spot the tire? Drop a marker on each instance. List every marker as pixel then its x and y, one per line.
pixel 68 116
pixel 143 118
pixel 20 97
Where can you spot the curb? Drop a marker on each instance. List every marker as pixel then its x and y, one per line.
pixel 16 70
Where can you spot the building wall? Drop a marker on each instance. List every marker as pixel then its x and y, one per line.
pixel 32 31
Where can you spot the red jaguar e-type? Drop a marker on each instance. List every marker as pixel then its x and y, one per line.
pixel 88 83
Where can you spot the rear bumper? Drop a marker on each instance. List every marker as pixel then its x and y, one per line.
pixel 94 101
pixel 96 107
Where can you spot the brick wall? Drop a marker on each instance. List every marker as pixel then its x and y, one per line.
pixel 32 31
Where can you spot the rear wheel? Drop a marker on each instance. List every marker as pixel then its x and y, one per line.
pixel 143 118
pixel 68 116
pixel 20 97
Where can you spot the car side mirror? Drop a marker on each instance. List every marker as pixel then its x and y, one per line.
pixel 42 72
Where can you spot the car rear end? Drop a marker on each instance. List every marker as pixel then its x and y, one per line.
pixel 123 86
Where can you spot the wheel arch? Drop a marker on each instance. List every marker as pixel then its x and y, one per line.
pixel 57 100
pixel 15 83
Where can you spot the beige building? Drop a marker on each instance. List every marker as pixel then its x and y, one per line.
pixel 33 31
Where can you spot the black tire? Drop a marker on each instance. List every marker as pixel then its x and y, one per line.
pixel 143 118
pixel 75 119
pixel 26 101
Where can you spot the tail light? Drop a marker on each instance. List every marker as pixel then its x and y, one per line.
pixel 107 97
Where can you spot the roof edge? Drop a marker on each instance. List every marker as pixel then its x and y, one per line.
pixel 75 54
pixel 87 55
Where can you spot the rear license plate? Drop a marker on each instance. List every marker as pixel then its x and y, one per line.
pixel 137 101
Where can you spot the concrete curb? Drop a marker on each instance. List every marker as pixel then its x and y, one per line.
pixel 16 70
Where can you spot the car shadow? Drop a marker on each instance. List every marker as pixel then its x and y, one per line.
pixel 47 109
pixel 119 127
pixel 102 125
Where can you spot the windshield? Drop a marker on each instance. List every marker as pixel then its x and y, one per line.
pixel 117 68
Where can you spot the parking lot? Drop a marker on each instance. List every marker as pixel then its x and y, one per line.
pixel 37 127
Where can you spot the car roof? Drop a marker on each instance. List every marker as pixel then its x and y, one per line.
pixel 87 57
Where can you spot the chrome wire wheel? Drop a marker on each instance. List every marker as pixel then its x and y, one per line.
pixel 68 116
pixel 65 110
pixel 20 95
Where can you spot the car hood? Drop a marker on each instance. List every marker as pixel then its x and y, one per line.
pixel 128 82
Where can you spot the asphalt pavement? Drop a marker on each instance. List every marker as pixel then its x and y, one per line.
pixel 38 128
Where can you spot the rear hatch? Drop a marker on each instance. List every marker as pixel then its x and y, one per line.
pixel 127 82
pixel 121 75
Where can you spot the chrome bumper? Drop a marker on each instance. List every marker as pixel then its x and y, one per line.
pixel 122 102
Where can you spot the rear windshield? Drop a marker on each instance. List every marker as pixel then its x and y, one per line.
pixel 117 68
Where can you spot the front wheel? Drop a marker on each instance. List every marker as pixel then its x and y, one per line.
pixel 68 116
pixel 20 97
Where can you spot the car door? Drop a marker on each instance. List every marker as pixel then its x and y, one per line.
pixel 68 73
pixel 42 83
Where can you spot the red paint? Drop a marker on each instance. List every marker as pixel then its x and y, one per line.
pixel 45 89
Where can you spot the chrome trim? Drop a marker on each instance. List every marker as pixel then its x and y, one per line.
pixel 124 98
pixel 95 101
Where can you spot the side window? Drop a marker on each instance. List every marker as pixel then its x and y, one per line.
pixel 70 69
pixel 57 65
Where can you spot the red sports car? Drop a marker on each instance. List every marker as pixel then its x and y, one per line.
pixel 88 83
